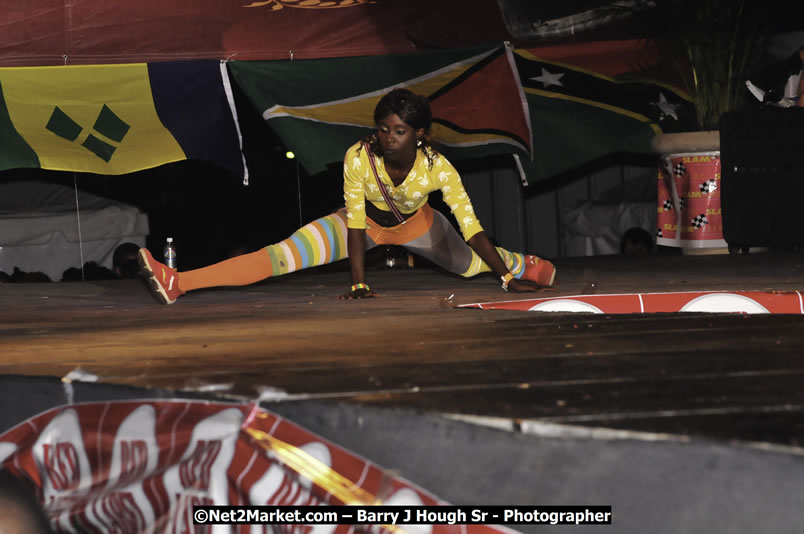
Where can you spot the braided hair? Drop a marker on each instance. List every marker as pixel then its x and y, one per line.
pixel 414 110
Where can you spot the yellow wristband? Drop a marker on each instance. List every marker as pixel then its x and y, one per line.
pixel 361 285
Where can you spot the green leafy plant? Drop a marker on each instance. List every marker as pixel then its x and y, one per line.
pixel 713 45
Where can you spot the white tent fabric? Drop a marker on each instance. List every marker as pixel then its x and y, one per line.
pixel 42 229
pixel 597 229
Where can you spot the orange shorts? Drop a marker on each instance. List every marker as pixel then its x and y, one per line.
pixel 412 228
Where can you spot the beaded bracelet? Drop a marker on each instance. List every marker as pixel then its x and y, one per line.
pixel 361 285
pixel 506 278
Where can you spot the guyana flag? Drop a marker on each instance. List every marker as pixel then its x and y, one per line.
pixel 588 100
pixel 116 119
pixel 320 107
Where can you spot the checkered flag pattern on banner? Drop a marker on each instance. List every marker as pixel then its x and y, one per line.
pixel 708 186
pixel 680 169
pixel 667 205
pixel 659 232
pixel 700 221
pixel 682 203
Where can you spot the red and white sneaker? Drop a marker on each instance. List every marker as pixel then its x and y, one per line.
pixel 162 280
pixel 539 271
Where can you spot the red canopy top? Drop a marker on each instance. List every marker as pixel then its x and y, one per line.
pixel 54 32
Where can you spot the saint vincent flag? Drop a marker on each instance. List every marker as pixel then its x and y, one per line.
pixel 589 100
pixel 319 108
pixel 116 119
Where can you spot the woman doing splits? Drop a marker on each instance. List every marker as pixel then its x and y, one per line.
pixel 387 178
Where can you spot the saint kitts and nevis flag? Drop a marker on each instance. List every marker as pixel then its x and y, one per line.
pixel 590 99
pixel 320 107
pixel 117 119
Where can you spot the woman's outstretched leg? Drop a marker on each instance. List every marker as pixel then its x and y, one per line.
pixel 317 243
pixel 446 248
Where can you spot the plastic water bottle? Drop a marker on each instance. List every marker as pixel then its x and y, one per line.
pixel 170 253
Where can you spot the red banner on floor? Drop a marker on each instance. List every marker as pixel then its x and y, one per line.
pixel 131 467
pixel 693 301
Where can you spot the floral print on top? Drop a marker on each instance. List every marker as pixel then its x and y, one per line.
pixel 360 185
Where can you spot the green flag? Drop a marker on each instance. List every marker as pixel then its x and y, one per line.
pixel 589 100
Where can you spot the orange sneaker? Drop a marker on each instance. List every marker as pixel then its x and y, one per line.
pixel 539 271
pixel 162 280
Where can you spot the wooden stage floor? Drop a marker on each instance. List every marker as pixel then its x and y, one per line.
pixel 717 376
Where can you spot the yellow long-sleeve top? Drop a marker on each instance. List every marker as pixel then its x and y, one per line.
pixel 360 185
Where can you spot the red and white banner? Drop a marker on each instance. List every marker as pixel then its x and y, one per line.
pixel 137 467
pixel 693 301
pixel 689 213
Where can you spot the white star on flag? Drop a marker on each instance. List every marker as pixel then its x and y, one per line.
pixel 548 78
pixel 666 108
